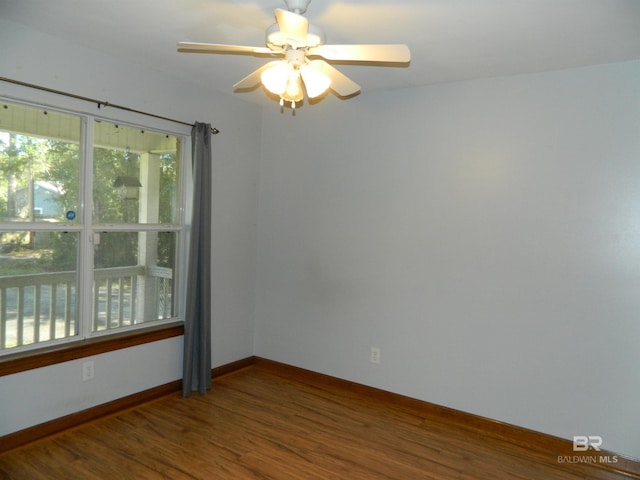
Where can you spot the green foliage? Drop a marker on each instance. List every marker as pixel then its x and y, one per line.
pixel 64 252
pixel 25 159
pixel 107 205
pixel 21 160
pixel 63 168
pixel 168 183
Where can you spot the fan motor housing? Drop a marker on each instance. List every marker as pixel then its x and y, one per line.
pixel 275 39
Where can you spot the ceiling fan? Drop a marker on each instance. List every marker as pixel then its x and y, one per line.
pixel 305 66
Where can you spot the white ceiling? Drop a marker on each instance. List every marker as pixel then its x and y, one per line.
pixel 450 40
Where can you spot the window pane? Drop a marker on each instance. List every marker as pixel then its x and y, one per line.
pixel 134 188
pixel 39 164
pixel 135 175
pixel 38 285
pixel 133 278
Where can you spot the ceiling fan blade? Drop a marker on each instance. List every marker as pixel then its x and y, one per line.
pixel 364 53
pixel 293 26
pixel 253 78
pixel 191 47
pixel 340 83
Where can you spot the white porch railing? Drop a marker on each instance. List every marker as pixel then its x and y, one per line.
pixel 41 307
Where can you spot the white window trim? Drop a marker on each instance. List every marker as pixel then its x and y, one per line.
pixel 53 102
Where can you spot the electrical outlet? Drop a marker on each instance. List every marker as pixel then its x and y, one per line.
pixel 88 371
pixel 375 355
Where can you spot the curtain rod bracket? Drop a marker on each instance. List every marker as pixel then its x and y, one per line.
pixel 215 131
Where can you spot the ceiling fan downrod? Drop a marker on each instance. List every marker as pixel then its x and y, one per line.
pixel 297 6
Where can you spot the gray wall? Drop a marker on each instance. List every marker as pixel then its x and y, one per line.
pixel 485 235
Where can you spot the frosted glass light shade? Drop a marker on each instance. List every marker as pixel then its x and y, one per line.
pixel 293 91
pixel 275 79
pixel 315 82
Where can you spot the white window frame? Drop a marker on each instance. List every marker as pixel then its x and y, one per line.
pixel 86 228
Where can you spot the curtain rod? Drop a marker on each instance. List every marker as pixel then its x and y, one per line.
pixel 100 103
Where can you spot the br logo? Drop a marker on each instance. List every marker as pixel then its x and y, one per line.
pixel 583 443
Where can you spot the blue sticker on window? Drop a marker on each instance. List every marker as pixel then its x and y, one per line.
pixel 71 215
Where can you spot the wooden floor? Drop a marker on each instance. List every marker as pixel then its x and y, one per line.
pixel 267 423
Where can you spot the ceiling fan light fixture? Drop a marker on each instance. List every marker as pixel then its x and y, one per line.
pixel 283 79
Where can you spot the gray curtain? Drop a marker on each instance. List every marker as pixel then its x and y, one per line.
pixel 197 328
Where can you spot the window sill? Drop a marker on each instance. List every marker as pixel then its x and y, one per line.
pixel 20 362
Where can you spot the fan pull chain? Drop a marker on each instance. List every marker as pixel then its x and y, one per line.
pixel 293 106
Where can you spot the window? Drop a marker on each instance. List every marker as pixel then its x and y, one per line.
pixel 91 229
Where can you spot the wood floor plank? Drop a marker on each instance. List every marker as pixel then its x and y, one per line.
pixel 261 423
